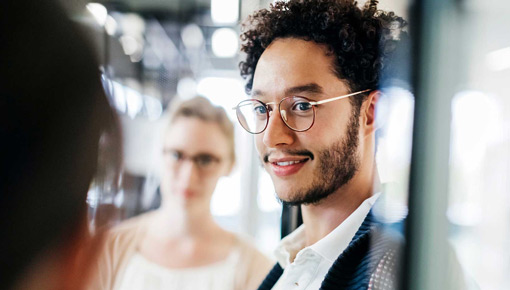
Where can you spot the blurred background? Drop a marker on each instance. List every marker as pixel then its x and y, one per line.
pixel 155 51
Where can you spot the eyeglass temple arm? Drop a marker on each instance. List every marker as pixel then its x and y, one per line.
pixel 323 101
pixel 338 98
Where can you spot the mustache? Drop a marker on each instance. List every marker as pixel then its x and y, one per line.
pixel 290 152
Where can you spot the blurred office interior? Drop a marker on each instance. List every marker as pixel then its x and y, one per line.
pixel 444 140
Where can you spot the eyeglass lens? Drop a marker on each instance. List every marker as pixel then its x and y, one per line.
pixel 203 161
pixel 297 113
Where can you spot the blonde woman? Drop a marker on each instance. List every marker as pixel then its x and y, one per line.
pixel 180 246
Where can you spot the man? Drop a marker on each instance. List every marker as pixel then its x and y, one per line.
pixel 313 69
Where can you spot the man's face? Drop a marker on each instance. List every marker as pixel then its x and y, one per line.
pixel 305 166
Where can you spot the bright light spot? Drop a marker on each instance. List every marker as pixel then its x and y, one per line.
pixel 498 60
pixel 192 36
pixel 110 25
pixel 465 214
pixel 225 11
pixel 187 88
pixel 394 117
pixel 132 24
pixel 474 122
pixel 137 56
pixel 223 92
pixel 226 199
pixel 134 102
pixel 93 196
pixel 129 44
pixel 118 97
pixel 151 59
pixel 153 107
pixel 118 200
pixel 99 12
pixel 131 102
pixel 225 42
pixel 266 198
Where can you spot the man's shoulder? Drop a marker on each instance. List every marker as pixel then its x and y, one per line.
pixel 371 259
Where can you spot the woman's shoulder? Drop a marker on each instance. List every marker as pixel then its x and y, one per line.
pixel 253 264
pixel 129 230
pixel 119 244
pixel 245 244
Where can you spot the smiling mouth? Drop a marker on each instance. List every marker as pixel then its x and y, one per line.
pixel 288 163
pixel 291 154
pixel 287 168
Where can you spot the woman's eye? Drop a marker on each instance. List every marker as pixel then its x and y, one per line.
pixel 176 155
pixel 204 161
pixel 302 106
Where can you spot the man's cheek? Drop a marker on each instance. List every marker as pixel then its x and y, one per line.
pixel 259 145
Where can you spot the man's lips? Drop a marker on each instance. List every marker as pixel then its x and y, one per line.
pixel 287 167
pixel 287 155
pixel 287 160
pixel 287 164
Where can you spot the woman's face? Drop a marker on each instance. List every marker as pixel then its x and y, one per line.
pixel 196 155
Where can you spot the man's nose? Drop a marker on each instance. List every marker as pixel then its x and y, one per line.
pixel 277 133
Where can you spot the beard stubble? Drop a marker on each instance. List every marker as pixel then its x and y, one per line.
pixel 337 166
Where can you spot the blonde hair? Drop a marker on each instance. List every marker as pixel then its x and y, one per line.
pixel 203 109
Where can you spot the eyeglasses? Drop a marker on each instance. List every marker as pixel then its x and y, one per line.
pixel 298 113
pixel 204 162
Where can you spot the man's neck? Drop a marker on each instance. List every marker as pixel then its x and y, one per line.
pixel 320 219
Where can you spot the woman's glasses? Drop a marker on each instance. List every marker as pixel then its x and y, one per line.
pixel 298 113
pixel 205 163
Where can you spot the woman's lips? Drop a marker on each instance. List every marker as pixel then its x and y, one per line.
pixel 186 193
pixel 287 167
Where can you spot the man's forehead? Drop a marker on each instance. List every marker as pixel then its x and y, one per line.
pixel 294 54
pixel 289 66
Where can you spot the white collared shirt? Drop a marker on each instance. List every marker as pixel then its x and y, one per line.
pixel 312 263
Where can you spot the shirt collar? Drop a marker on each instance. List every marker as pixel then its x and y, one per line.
pixel 329 247
pixel 333 244
pixel 290 245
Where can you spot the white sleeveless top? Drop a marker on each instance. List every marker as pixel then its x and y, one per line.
pixel 143 274
pixel 121 267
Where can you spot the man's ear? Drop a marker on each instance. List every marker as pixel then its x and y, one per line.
pixel 368 111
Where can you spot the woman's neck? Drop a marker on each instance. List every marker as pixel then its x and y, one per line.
pixel 191 239
pixel 178 223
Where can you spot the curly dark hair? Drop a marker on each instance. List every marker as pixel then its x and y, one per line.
pixel 360 39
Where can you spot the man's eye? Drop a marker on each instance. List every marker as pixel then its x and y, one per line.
pixel 260 110
pixel 302 106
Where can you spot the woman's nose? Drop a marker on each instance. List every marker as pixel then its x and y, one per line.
pixel 188 172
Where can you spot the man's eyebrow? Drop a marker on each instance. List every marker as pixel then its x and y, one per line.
pixel 256 93
pixel 309 88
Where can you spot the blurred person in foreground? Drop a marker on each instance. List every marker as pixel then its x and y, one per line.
pixel 313 69
pixel 179 245
pixel 53 112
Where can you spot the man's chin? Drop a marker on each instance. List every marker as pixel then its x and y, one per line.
pixel 313 196
pixel 289 198
pixel 283 198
